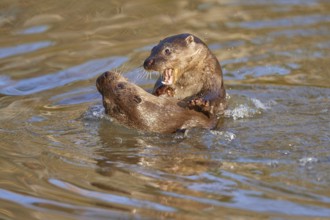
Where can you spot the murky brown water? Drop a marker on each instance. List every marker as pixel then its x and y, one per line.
pixel 61 158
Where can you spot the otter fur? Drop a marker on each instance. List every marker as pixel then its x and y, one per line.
pixel 189 92
pixel 189 71
pixel 132 106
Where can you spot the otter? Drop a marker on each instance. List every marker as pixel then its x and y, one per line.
pixel 189 92
pixel 134 107
pixel 189 72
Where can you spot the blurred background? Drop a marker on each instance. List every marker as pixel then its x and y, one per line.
pixel 62 158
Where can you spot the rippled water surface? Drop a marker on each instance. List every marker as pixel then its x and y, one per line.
pixel 62 158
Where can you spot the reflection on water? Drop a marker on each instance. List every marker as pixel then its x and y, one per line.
pixel 61 78
pixel 23 48
pixel 62 158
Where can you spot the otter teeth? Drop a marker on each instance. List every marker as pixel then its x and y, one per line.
pixel 167 77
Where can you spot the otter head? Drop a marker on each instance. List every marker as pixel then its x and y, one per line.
pixel 175 55
pixel 106 85
pixel 120 98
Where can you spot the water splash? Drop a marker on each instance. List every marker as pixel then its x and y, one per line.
pixel 226 135
pixel 248 109
pixel 95 112
pixel 307 161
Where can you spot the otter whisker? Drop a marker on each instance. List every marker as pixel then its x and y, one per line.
pixel 150 74
pixel 141 74
pixel 189 91
pixel 146 74
pixel 124 68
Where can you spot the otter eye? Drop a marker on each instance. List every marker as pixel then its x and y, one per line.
pixel 167 51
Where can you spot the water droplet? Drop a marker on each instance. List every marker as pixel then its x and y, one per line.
pixel 273 163
pixel 305 161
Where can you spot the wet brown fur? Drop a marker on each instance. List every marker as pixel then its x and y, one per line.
pixel 134 107
pixel 198 80
pixel 195 98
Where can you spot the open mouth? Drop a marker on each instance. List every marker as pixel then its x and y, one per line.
pixel 168 77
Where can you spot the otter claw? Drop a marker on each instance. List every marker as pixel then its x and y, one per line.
pixel 164 90
pixel 199 102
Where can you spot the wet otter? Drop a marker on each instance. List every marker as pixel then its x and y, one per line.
pixel 190 89
pixel 136 108
pixel 190 72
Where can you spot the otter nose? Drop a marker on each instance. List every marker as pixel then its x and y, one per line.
pixel 148 63
pixel 100 82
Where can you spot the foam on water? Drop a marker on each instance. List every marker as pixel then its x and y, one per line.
pixel 248 109
pixel 226 135
pixel 306 161
pixel 95 112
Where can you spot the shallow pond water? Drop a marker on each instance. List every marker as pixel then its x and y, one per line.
pixel 62 158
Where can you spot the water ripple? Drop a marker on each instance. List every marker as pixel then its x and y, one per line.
pixel 283 22
pixel 35 29
pixel 46 205
pixel 51 81
pixel 23 48
pixel 112 198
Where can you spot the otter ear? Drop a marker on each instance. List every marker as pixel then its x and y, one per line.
pixel 190 39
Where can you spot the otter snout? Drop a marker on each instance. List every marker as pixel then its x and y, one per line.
pixel 104 80
pixel 100 82
pixel 149 63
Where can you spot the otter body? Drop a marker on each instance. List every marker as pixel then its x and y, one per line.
pixel 189 72
pixel 189 93
pixel 136 108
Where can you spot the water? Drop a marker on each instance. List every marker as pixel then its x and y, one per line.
pixel 62 158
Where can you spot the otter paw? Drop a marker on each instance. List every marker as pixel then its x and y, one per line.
pixel 199 102
pixel 164 90
pixel 170 92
